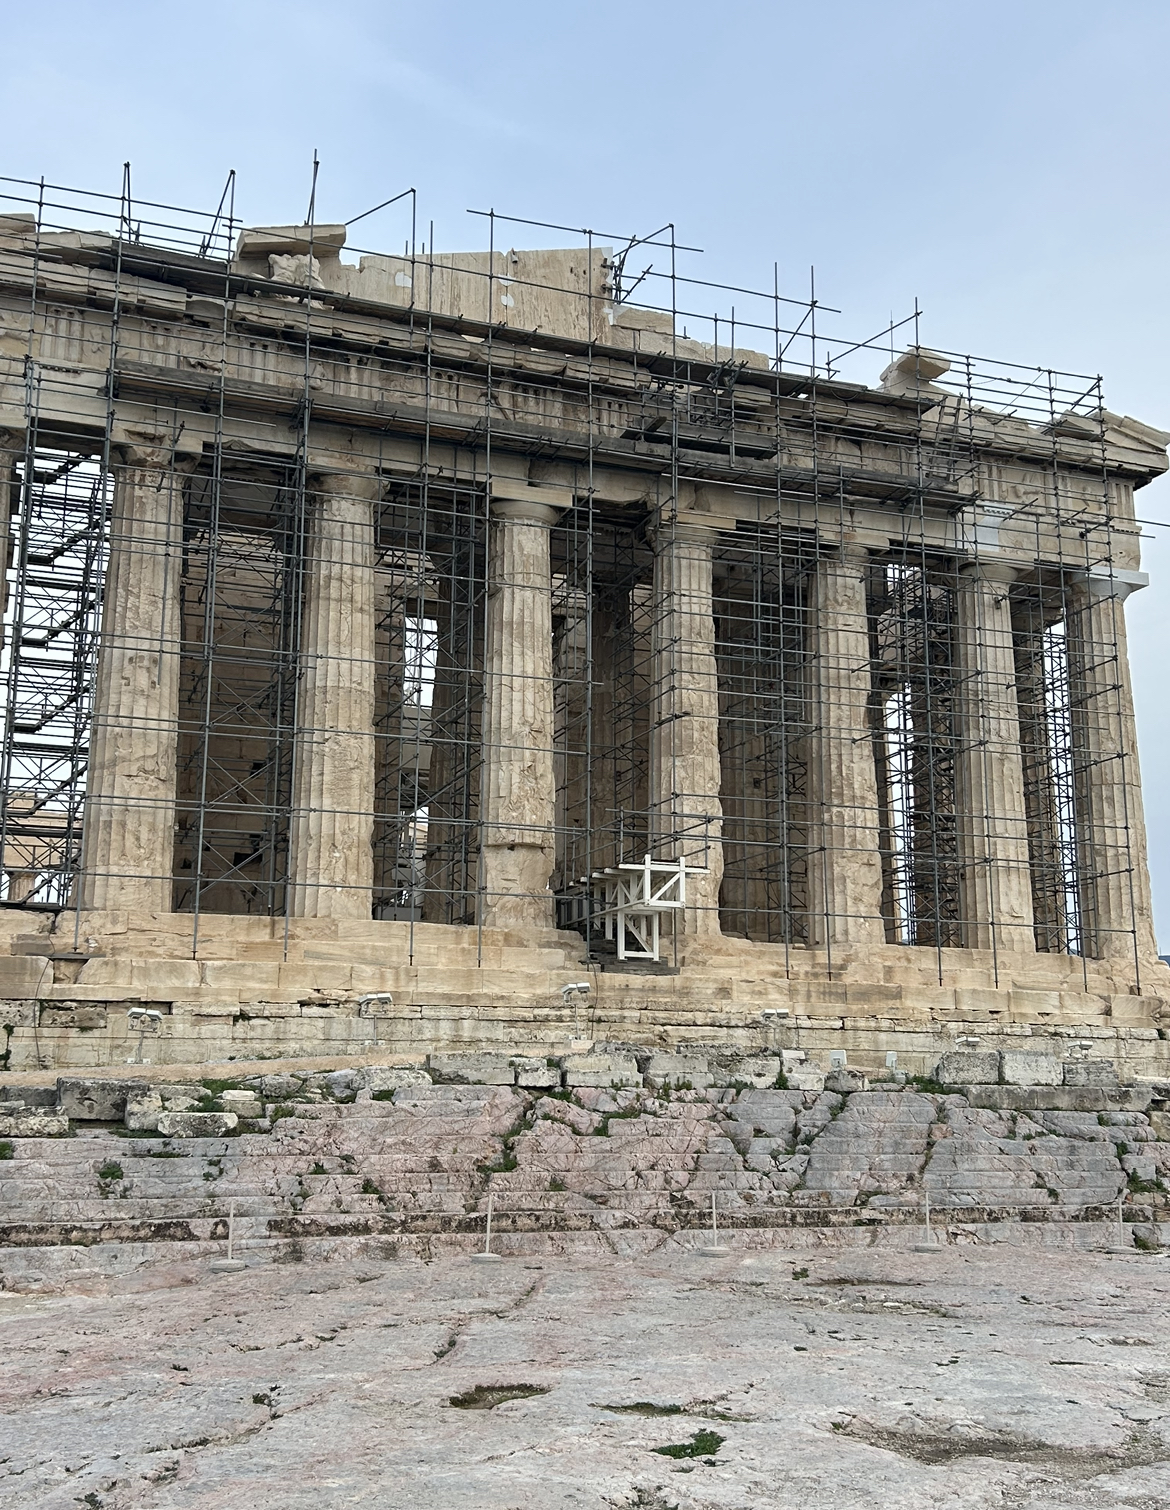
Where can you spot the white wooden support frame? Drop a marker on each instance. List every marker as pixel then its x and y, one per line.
pixel 633 897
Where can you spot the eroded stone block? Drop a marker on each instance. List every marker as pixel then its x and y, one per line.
pixel 1090 1072
pixel 196 1124
pixel 601 1070
pixel 1030 1067
pixel 243 1103
pixel 968 1067
pixel 759 1072
pixel 845 1081
pixel 679 1069
pixel 472 1069
pixel 143 1109
pixel 383 1077
pixel 536 1073
pixel 33 1123
pixel 97 1100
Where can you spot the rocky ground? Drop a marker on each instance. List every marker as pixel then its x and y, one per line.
pixel 780 1375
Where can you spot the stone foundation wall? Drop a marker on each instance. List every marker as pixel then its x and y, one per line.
pixel 620 1139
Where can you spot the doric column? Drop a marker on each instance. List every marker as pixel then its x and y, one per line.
pixel 995 867
pixel 518 792
pixel 755 871
pixel 331 865
pixel 573 715
pixel 399 739
pixel 128 836
pixel 12 444
pixel 845 868
pixel 1040 747
pixel 1116 905
pixel 17 857
pixel 609 613
pixel 686 813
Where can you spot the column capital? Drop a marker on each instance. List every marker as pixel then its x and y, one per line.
pixel 133 445
pixel 1102 582
pixel 684 530
pixel 153 458
pixel 543 509
pixel 985 569
pixel 345 482
pixel 848 552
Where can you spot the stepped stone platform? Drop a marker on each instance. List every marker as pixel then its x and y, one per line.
pixel 245 987
pixel 617 1139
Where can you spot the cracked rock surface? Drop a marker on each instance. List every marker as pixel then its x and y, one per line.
pixel 423 1154
pixel 791 1378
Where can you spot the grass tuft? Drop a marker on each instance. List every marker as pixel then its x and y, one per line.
pixel 704 1444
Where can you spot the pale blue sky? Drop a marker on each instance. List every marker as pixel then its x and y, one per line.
pixel 1005 163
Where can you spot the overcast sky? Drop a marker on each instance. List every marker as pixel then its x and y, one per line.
pixel 1005 164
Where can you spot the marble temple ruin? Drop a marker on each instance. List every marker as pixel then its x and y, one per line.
pixel 399 645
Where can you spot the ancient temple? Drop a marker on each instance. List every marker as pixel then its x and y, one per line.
pixel 398 646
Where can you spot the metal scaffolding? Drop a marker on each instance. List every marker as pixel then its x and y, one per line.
pixel 711 387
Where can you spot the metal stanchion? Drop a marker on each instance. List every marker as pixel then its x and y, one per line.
pixel 1119 1245
pixel 487 1256
pixel 714 1249
pixel 230 1264
pixel 928 1243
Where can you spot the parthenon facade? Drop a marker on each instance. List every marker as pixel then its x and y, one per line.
pixel 395 646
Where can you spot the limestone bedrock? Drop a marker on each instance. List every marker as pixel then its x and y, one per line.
pixel 978 1378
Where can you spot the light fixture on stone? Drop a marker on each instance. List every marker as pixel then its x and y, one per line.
pixel 573 995
pixel 371 1005
pixel 968 1041
pixel 144 1020
pixel 838 1059
pixel 1080 1048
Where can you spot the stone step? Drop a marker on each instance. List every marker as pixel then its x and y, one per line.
pixel 438 1149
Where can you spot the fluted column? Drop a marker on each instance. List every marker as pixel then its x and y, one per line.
pixel 608 613
pixel 995 865
pixel 331 864
pixel 128 836
pixel 22 878
pixel 518 792
pixel 574 706
pixel 1116 905
pixel 686 812
pixel 845 868
pixel 12 445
